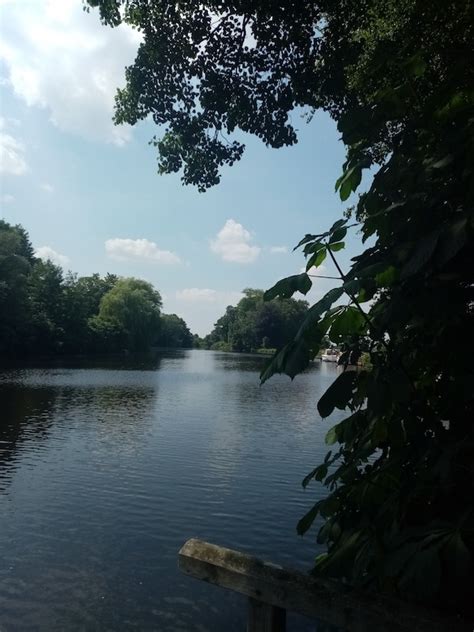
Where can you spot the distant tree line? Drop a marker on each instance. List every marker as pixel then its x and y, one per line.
pixel 44 311
pixel 254 325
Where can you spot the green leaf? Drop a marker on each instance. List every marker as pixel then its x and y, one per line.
pixel 337 225
pixel 345 190
pixel 287 287
pixel 337 235
pixel 335 247
pixel 350 180
pixel 387 277
pixel 317 259
pixel 416 65
pixel 331 436
pixel 338 394
pixel 306 239
pixel 348 322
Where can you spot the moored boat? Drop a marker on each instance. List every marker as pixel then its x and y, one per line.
pixel 330 355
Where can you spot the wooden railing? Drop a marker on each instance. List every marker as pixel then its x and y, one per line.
pixel 273 590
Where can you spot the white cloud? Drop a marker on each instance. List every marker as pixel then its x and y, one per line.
pixel 63 59
pixel 276 250
pixel 206 295
pixel 47 253
pixel 12 158
pixel 47 187
pixel 233 243
pixel 6 198
pixel 201 307
pixel 195 294
pixel 139 250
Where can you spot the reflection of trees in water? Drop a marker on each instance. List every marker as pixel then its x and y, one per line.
pixel 239 361
pixel 115 418
pixel 113 410
pixel 149 361
pixel 25 417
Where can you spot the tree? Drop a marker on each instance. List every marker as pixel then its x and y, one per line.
pixel 47 307
pixel 253 324
pixel 82 297
pixel 174 332
pixel 398 78
pixel 134 306
pixel 15 264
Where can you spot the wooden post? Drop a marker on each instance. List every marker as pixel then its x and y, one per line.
pixel 272 590
pixel 265 618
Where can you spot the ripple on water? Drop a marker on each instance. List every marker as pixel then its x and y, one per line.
pixel 105 471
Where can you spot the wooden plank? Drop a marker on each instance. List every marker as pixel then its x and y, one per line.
pixel 329 602
pixel 265 618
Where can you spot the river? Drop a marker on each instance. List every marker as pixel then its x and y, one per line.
pixel 108 466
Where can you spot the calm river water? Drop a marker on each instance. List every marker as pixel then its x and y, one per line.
pixel 108 467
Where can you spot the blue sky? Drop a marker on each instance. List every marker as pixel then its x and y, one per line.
pixel 89 194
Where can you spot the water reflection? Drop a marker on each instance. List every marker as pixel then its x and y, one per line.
pixel 107 470
pixel 115 408
pixel 25 414
pixel 149 361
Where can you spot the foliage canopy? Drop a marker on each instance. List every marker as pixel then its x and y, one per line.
pixel 43 311
pixel 398 78
pixel 255 324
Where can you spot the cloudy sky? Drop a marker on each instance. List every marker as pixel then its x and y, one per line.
pixel 90 197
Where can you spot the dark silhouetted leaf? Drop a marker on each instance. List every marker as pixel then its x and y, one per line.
pixel 287 287
pixel 338 394
pixel 307 520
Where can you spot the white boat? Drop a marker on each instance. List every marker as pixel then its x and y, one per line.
pixel 330 355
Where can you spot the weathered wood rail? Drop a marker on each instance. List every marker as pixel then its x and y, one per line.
pixel 273 590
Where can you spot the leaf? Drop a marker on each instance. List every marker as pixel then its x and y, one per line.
pixel 337 235
pixel 416 65
pixel 458 557
pixel 336 247
pixel 338 394
pixel 275 365
pixel 337 225
pixel 352 286
pixel 331 436
pixel 348 322
pixel 345 190
pixel 452 240
pixel 423 573
pixel 350 180
pixel 319 473
pixel 292 359
pixel 343 549
pixel 285 288
pixel 421 255
pixel 444 162
pixel 306 239
pixel 315 311
pixel 387 277
pixel 317 259
pixel 307 520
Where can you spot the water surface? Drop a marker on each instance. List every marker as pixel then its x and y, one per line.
pixel 107 468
